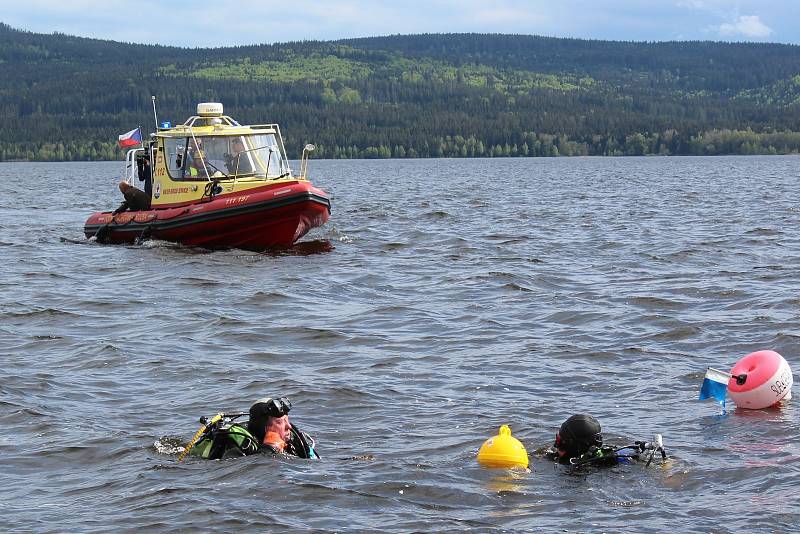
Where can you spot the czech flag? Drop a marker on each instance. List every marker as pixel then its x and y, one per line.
pixel 132 138
pixel 715 386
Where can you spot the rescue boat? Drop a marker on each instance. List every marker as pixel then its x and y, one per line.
pixel 215 183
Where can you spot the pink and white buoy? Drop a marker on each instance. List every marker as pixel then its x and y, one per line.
pixel 760 380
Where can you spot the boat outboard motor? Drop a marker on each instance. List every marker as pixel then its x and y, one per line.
pixel 576 436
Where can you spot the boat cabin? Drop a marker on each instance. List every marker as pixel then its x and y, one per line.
pixel 210 148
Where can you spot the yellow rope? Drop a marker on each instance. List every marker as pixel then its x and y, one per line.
pixel 196 437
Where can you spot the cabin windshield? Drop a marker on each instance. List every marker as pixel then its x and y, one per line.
pixel 202 158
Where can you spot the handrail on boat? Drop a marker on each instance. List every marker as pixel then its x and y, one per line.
pixel 304 160
pixel 130 165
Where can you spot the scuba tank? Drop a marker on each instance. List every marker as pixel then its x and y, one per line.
pixel 223 439
pixel 608 455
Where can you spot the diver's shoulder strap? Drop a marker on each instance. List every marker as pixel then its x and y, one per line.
pixel 301 444
pixel 242 439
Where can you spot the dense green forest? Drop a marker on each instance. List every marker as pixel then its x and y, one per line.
pixel 453 95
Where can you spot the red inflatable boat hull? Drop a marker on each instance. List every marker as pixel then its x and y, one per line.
pixel 255 219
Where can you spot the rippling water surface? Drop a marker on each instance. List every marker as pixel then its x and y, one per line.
pixel 444 298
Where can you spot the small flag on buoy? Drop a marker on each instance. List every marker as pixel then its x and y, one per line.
pixel 715 386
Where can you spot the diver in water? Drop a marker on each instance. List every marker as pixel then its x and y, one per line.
pixel 269 424
pixel 579 441
pixel 267 431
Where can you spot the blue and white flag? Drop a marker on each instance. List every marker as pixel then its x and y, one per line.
pixel 715 385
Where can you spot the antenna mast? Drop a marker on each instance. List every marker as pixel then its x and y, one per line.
pixel 155 114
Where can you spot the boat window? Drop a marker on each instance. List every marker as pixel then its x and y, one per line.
pixel 205 158
pixel 201 158
pixel 265 155
pixel 175 149
pixel 240 158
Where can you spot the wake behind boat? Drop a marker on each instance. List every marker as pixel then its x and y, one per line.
pixel 216 183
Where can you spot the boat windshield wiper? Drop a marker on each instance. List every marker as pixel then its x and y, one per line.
pixel 217 169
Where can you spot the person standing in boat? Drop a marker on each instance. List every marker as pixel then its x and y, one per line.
pixel 145 173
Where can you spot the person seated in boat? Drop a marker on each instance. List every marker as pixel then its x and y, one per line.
pixel 268 431
pixel 135 199
pixel 195 163
pixel 238 161
pixel 579 441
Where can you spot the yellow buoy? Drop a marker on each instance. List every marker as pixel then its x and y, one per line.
pixel 503 450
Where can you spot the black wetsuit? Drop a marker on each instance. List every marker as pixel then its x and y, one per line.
pixel 145 175
pixel 135 200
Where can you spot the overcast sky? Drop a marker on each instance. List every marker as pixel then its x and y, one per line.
pixel 207 23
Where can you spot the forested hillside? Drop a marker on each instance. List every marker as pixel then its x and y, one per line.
pixel 459 95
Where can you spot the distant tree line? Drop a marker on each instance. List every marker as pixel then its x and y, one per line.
pixel 462 95
pixel 669 143
pixel 531 144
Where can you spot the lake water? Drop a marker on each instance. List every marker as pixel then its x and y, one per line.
pixel 443 299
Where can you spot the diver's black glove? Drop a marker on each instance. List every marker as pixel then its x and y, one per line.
pixel 122 207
